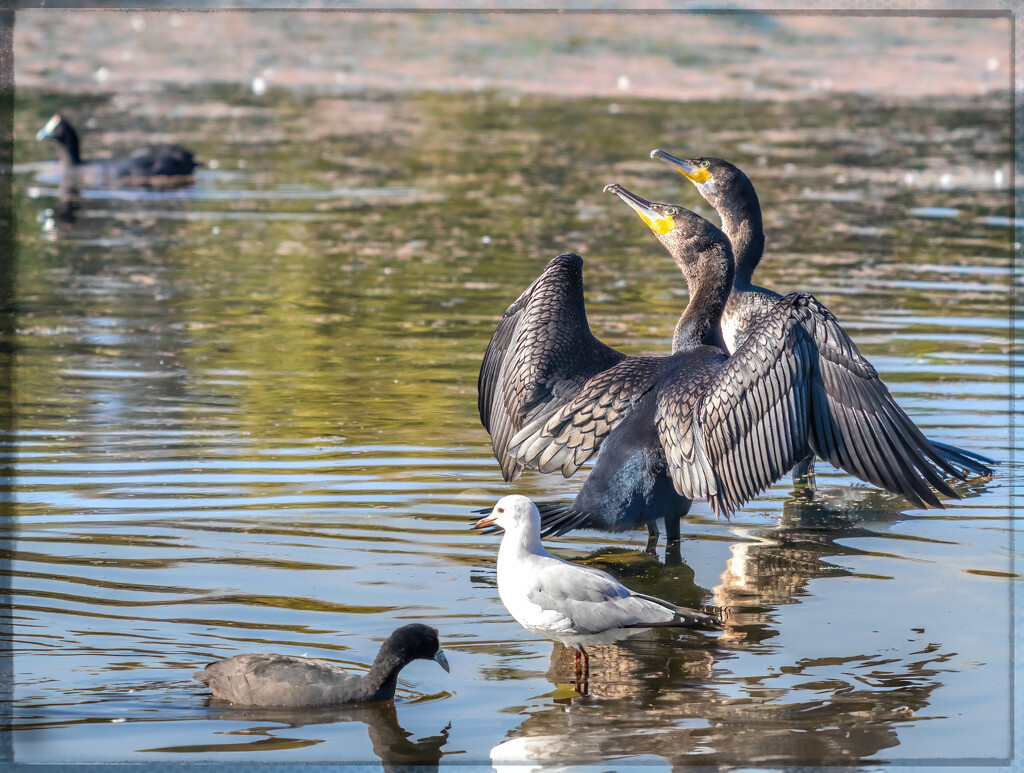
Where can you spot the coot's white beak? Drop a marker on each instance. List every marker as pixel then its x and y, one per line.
pixel 442 660
pixel 47 130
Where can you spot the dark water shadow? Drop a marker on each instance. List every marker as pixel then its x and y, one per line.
pixel 8 355
pixel 392 744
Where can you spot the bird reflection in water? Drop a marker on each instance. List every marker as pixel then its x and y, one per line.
pixel 58 220
pixel 392 744
pixel 611 652
pixel 772 566
pixel 695 706
pixel 710 701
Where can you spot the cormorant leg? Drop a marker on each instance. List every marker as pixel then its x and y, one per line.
pixel 673 554
pixel 652 536
pixel 672 529
pixel 803 475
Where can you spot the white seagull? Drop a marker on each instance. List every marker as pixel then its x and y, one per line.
pixel 569 603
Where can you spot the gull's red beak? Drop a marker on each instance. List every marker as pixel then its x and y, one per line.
pixel 483 523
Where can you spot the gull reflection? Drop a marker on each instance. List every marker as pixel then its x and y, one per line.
pixel 685 706
pixel 732 699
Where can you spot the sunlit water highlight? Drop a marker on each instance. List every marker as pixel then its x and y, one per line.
pixel 245 421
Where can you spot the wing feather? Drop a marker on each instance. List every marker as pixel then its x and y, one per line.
pixel 540 356
pixel 797 384
pixel 590 600
pixel 576 430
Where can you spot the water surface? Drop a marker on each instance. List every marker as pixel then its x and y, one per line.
pixel 245 420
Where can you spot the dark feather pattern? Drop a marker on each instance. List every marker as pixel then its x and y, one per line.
pixel 797 384
pixel 539 358
pixel 698 423
pixel 728 189
pixel 571 436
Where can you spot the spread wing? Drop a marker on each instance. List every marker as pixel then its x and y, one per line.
pixel 571 436
pixel 796 385
pixel 539 358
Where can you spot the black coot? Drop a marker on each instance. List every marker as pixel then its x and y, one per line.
pixel 152 164
pixel 281 680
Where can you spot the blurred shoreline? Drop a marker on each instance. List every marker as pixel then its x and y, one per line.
pixel 651 55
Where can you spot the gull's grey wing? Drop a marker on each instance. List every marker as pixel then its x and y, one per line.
pixel 592 600
pixel 798 384
pixel 539 358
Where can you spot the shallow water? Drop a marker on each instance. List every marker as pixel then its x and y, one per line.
pixel 245 420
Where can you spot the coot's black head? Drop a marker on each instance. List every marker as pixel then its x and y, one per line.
pixel 723 185
pixel 415 642
pixel 57 129
pixel 700 248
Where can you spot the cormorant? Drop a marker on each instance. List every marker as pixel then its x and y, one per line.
pixel 728 189
pixel 697 423
pixel 153 164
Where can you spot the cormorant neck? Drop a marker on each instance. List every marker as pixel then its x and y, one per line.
pixel 742 223
pixel 700 323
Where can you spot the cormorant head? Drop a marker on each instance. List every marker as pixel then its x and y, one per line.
pixel 685 234
pixel 723 185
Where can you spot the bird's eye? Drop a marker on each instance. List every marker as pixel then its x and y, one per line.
pixel 501 509
pixel 670 211
pixel 704 164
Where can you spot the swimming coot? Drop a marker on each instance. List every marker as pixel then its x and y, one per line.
pixel 155 164
pixel 282 680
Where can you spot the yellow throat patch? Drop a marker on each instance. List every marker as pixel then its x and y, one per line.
pixel 700 176
pixel 660 225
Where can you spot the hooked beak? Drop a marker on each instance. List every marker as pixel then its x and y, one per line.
pixel 687 169
pixel 659 223
pixel 442 660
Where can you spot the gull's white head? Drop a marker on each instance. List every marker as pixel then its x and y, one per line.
pixel 512 513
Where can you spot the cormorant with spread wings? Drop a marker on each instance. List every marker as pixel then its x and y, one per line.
pixel 697 423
